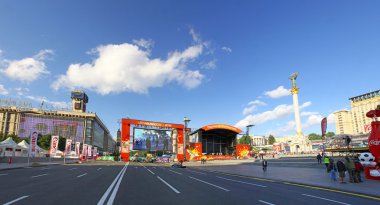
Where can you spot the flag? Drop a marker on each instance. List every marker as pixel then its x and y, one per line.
pixel 89 153
pixel 68 146
pixel 54 144
pixel 84 150
pixel 33 143
pixel 77 147
pixel 95 151
pixel 324 126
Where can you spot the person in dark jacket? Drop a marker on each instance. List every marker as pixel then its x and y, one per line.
pixel 319 158
pixel 265 164
pixel 341 170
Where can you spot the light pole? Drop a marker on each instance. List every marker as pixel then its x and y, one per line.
pixel 186 121
pixel 250 142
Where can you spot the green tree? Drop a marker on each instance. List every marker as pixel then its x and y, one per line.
pixel 62 144
pixel 44 141
pixel 245 140
pixel 271 140
pixel 330 134
pixel 314 136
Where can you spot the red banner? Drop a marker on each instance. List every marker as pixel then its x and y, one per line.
pixel 242 150
pixel 33 143
pixel 68 146
pixel 324 126
pixel 77 147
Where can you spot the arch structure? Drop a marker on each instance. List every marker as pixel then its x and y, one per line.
pixel 214 140
pixel 150 136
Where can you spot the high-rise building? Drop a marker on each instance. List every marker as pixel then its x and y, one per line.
pixel 78 125
pixel 355 121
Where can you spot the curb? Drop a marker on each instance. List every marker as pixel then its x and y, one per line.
pixel 311 186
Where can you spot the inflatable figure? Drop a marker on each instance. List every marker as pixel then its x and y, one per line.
pixel 373 172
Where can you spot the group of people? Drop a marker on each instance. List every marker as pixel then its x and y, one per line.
pixel 343 165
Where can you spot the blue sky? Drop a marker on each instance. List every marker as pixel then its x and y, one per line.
pixel 211 61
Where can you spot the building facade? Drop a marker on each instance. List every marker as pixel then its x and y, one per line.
pixel 355 121
pixel 78 125
pixel 258 140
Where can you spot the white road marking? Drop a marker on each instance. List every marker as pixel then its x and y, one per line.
pixel 3 174
pixel 175 172
pixel 99 169
pixel 105 195
pixel 241 182
pixel 147 169
pixel 265 202
pixel 339 202
pixel 82 175
pixel 45 168
pixel 113 195
pixel 72 169
pixel 170 186
pixel 18 199
pixel 209 183
pixel 196 172
pixel 39 175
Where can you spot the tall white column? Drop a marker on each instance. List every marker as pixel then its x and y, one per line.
pixel 296 110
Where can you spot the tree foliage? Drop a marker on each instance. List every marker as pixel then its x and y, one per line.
pixel 271 139
pixel 330 134
pixel 314 136
pixel 245 140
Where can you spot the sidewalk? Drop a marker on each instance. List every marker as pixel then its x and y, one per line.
pixel 308 176
pixel 6 166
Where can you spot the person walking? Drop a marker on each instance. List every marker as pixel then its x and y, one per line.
pixel 358 169
pixel 265 164
pixel 341 170
pixel 350 165
pixel 326 160
pixel 319 158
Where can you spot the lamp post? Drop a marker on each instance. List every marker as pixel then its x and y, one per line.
pixel 250 142
pixel 186 121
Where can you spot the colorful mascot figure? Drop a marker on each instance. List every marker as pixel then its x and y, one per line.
pixel 372 169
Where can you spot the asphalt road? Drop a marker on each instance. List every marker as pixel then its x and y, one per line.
pixel 137 183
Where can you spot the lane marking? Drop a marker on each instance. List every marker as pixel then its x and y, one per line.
pixel 339 202
pixel 72 169
pixel 39 175
pixel 113 195
pixel 175 172
pixel 196 172
pixel 82 175
pixel 333 190
pixel 265 202
pixel 209 183
pixel 241 182
pixel 105 195
pixel 241 176
pixel 3 174
pixel 99 169
pixel 170 186
pixel 147 169
pixel 18 199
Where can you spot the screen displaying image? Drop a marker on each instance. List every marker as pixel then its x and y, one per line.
pixel 152 140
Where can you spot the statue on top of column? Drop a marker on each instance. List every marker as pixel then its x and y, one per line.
pixel 293 78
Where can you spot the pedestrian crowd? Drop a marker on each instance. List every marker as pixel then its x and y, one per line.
pixel 348 165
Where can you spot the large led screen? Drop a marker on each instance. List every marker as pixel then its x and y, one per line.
pixel 152 140
pixel 65 127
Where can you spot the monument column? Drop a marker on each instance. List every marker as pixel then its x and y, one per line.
pixel 294 92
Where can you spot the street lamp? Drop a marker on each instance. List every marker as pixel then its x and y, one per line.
pixel 250 142
pixel 186 121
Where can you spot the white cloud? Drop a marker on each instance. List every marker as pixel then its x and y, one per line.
pixel 278 112
pixel 21 91
pixel 126 67
pixel 308 113
pixel 56 104
pixel 195 36
pixel 143 43
pixel 331 119
pixel 210 65
pixel 290 126
pixel 278 92
pixel 252 106
pixel 27 69
pixel 3 90
pixel 226 49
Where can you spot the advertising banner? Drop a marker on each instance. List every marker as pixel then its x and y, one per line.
pixel 68 146
pixel 77 147
pixel 95 151
pixel 84 150
pixel 33 143
pixel 89 150
pixel 194 152
pixel 54 144
pixel 242 150
pixel 324 126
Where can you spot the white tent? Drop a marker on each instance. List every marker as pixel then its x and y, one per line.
pixel 8 147
pixel 25 147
